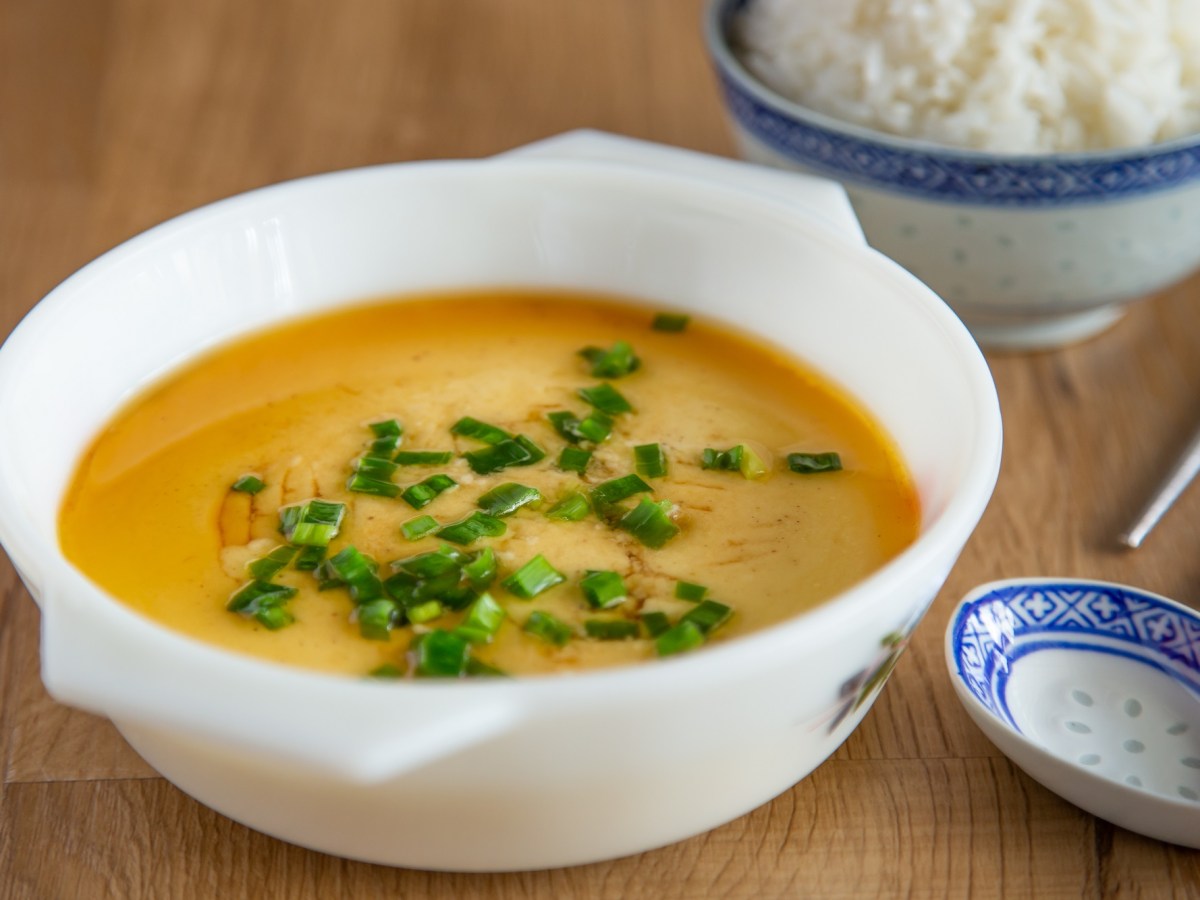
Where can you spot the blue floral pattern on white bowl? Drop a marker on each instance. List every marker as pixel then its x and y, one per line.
pixel 1093 689
pixel 992 632
pixel 950 176
pixel 1030 250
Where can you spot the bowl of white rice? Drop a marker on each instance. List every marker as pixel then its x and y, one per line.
pixel 1036 162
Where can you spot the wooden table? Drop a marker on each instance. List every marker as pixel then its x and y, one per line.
pixel 116 114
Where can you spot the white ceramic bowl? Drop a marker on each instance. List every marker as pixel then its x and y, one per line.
pixel 520 773
pixel 1031 250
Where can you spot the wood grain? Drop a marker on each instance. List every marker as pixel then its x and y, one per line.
pixel 922 828
pixel 117 114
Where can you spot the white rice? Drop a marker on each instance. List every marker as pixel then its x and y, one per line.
pixel 1015 76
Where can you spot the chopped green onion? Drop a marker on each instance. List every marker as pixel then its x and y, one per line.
pixel 440 482
pixel 611 629
pixel 670 322
pixel 567 425
pixel 574 459
pixel 531 579
pixel 415 529
pixel 606 398
pixel 808 463
pixel 656 623
pixel 402 587
pixel 617 361
pixel 518 451
pixel 377 617
pixel 428 582
pixel 602 589
pixel 474 526
pixel 477 668
pixel 686 590
pixel 309 558
pixel 726 460
pixel 373 475
pixel 617 489
pixel 453 553
pixel 570 508
pixel 480 569
pixel 649 522
pixel 431 563
pixel 505 499
pixel 439 654
pixel 679 638
pixel 387 428
pixel 736 459
pixel 458 598
pixel 274 617
pixel 248 484
pixel 649 460
pixel 382 448
pixel 357 571
pixel 263 601
pixel 386 670
pixel 412 592
pixel 251 596
pixel 480 431
pixel 445 586
pixel 387 438
pixel 483 620
pixel 364 484
pixel 550 629
pixel 596 427
pixel 424 612
pixel 312 524
pixel 267 567
pixel 375 467
pixel 536 453
pixel 708 616
pixel 326 578
pixel 422 457
pixel 289 518
pixel 752 465
pixel 421 494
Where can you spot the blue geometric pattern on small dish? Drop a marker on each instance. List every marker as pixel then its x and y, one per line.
pixel 998 628
pixel 952 178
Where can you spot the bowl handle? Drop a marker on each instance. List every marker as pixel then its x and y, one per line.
pixel 170 688
pixel 819 198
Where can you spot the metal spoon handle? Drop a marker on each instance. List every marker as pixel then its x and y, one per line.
pixel 1168 492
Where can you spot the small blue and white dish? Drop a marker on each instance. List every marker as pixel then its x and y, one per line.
pixel 1031 250
pixel 1093 689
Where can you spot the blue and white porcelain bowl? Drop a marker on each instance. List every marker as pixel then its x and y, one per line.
pixel 1093 689
pixel 1029 250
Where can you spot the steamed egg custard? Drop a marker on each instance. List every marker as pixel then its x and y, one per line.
pixel 483 484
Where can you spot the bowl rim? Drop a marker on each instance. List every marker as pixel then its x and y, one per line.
pixel 716 37
pixel 748 653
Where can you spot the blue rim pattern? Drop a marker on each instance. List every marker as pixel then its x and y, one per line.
pixel 952 177
pixel 995 630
